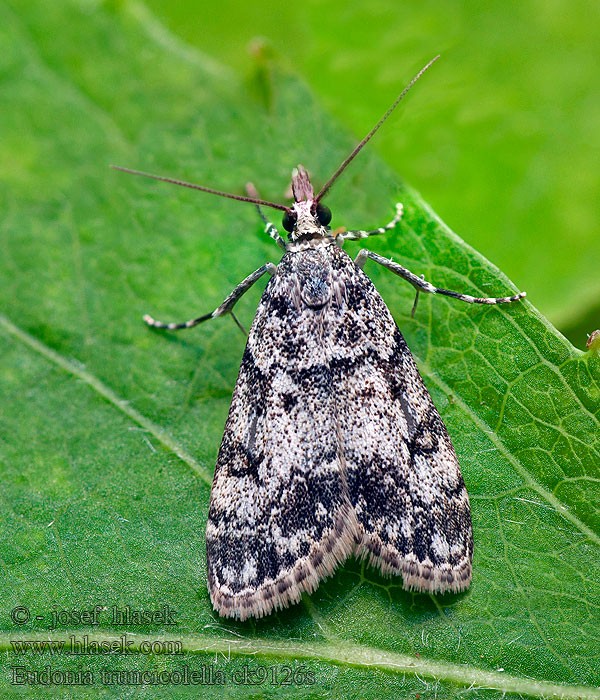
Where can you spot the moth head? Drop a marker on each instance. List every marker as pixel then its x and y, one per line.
pixel 307 217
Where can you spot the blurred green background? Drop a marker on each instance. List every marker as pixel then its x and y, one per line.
pixel 501 137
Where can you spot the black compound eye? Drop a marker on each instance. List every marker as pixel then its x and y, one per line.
pixel 323 214
pixel 289 220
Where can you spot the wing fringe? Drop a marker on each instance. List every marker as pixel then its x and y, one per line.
pixel 425 576
pixel 304 577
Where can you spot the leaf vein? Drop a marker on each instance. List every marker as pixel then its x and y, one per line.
pixel 107 393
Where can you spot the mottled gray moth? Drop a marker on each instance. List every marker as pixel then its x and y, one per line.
pixel 332 446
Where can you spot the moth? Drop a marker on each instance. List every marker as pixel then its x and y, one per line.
pixel 332 446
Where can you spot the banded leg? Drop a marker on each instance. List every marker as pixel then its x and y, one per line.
pixel 270 228
pixel 225 308
pixel 421 284
pixel 416 301
pixel 357 235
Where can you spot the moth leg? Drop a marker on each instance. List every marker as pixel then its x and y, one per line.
pixel 225 308
pixel 270 228
pixel 356 235
pixel 414 308
pixel 422 285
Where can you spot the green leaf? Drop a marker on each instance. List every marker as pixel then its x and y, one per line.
pixel 110 431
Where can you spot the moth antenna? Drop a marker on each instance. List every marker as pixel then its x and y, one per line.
pixel 371 133
pixel 181 183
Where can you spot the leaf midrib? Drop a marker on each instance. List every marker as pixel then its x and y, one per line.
pixel 339 652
